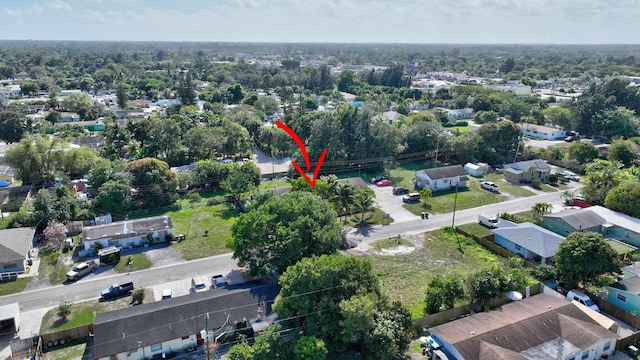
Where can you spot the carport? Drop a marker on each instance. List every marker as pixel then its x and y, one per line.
pixel 9 318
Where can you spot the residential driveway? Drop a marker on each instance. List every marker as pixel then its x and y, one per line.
pixel 392 204
pixel 161 255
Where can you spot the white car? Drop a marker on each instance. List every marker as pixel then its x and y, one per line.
pixel 167 294
pixel 488 185
pixel 198 285
pixel 227 161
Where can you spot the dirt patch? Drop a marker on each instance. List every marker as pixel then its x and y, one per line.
pixel 397 250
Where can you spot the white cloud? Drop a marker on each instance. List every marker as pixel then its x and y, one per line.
pixel 59 5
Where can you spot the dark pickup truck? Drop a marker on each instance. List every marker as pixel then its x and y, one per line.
pixel 117 290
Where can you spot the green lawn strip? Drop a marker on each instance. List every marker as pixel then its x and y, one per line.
pixel 139 262
pixel 443 201
pixel 373 217
pixel 13 286
pixel 405 276
pixel 526 216
pixel 507 187
pixel 391 243
pixel 475 229
pixel 272 184
pixel 461 129
pixel 404 174
pixel 548 188
pixel 81 314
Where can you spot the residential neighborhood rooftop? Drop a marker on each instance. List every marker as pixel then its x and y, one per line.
pixel 446 172
pixel 579 218
pixel 15 243
pixel 533 237
pixel 127 228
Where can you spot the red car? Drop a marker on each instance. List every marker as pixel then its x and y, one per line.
pixel 384 183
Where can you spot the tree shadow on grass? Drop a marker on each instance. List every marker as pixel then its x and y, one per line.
pixel 59 322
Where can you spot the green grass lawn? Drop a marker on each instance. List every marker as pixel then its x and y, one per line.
pixel 373 217
pixel 405 276
pixel 81 314
pixel 391 243
pixel 272 184
pixel 403 174
pixel 461 129
pixel 13 286
pixel 548 188
pixel 443 201
pixel 139 262
pixel 475 229
pixel 194 219
pixel 507 187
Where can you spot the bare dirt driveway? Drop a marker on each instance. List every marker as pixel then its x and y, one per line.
pixel 268 164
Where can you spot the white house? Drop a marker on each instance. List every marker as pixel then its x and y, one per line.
pixel 459 114
pixel 11 91
pixel 517 89
pixel 126 234
pixel 443 178
pixel 542 132
pixel 477 170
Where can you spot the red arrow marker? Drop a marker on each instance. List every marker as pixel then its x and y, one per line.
pixel 303 149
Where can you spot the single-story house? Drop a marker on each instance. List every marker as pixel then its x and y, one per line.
pixel 530 241
pixel 459 114
pixel 9 318
pixel 126 234
pixel 543 132
pixel 525 171
pixel 625 294
pixel 538 327
pixel 15 250
pixel 69 117
pixel 174 325
pixel 609 223
pixel 356 182
pixel 571 220
pixel 391 116
pixel 92 142
pixel 477 170
pixel 442 178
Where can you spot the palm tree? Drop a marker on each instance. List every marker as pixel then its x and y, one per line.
pixel 424 195
pixel 540 209
pixel 363 200
pixel 344 197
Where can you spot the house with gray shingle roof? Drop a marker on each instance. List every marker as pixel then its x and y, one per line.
pixel 525 171
pixel 530 241
pixel 173 326
pixel 15 250
pixel 442 178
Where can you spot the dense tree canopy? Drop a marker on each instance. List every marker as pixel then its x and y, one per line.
pixel 13 126
pixel 154 183
pixel 582 257
pixel 276 232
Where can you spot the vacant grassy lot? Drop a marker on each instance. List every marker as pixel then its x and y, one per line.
pixel 272 184
pixel 391 243
pixel 475 229
pixel 71 352
pixel 13 286
pixel 138 262
pixel 443 201
pixel 196 218
pixel 404 276
pixel 49 263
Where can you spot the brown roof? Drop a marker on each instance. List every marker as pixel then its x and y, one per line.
pixel 356 182
pixel 539 325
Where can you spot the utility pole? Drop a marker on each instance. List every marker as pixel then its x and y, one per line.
pixel 453 220
pixel 205 335
pixel 435 163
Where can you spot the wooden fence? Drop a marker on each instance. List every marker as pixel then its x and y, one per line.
pixel 462 311
pixel 61 337
pixel 487 241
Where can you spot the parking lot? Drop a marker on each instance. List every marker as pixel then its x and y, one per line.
pixel 184 287
pixel 391 204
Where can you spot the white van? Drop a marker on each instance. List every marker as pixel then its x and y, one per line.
pixel 583 299
pixel 489 221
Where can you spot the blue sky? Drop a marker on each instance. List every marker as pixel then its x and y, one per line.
pixel 396 21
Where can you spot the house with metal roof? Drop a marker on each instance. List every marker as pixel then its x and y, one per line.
pixel 611 224
pixel 126 234
pixel 15 250
pixel 442 178
pixel 542 132
pixel 530 241
pixel 177 325
pixel 525 171
pixel 538 327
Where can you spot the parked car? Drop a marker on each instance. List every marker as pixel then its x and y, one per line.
pixel 488 185
pixel 386 182
pixel 167 294
pixel 400 190
pixel 569 138
pixel 489 221
pixel 410 198
pixel 568 175
pixel 82 269
pixel 227 161
pixel 583 299
pixel 378 178
pixel 197 283
pixel 218 281
pixel 116 290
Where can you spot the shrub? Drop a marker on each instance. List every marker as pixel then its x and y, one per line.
pixel 194 197
pixel 544 272
pixel 536 184
pixel 462 123
pixel 138 295
pixel 63 310
pixel 553 178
